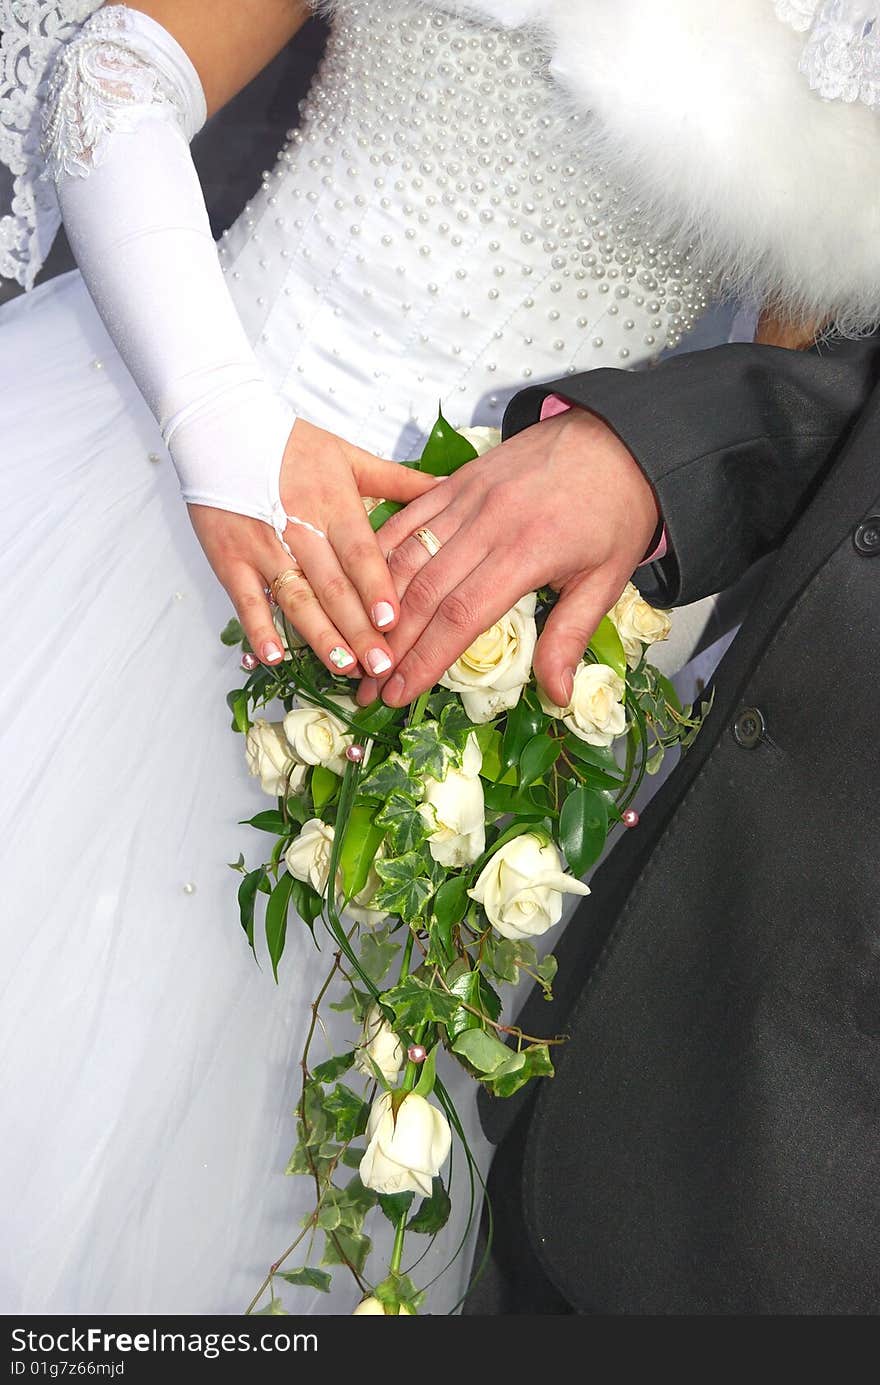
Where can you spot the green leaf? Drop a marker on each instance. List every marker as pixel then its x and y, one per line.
pixel 375 718
pixel 332 1068
pixel 655 761
pixel 482 1051
pixel 450 903
pixel 346 1247
pixel 383 512
pixel 347 1111
pixel 456 726
pixel 413 1002
pixel 307 902
pixel 597 760
pixel 583 828
pixel 391 776
pixel 499 798
pixel 306 1278
pixel 395 1205
pixel 232 633
pixel 269 821
pixel 533 1061
pixel 324 784
pixel 524 721
pixel 425 751
pixel 406 826
pixel 490 741
pixel 361 841
pixel 539 754
pixel 406 887
pixel 298 810
pixel 607 648
pixel 247 898
pixel 395 1290
pixel 276 920
pixel 547 968
pixel 377 955
pixel 352 1156
pixel 433 1214
pixel 275 1309
pixel 237 702
pixel 446 450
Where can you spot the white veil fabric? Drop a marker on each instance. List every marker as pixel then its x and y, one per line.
pixel 31 32
pixel 841 55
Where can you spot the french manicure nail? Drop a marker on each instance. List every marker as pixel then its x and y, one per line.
pixel 377 661
pixel 340 658
pixel 272 652
pixel 383 614
pixel 568 684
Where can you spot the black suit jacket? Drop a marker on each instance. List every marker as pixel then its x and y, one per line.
pixel 711 1142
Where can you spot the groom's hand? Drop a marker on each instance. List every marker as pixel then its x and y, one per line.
pixel 562 504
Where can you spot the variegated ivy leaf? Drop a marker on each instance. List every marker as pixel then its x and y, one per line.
pixel 407 886
pixel 391 776
pixel 406 826
pixel 456 726
pixel 425 749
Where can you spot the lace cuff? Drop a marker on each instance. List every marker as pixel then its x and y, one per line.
pixel 841 57
pixel 108 80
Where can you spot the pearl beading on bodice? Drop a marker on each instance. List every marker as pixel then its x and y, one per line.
pixel 431 227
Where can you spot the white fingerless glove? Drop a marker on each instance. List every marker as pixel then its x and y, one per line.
pixel 123 103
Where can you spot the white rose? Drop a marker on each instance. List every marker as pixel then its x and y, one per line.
pixel 372 1305
pixel 522 885
pixel 455 810
pixel 380 1043
pixel 308 857
pixel 491 674
pixel 596 713
pixel 405 1154
pixel 271 759
pixel 317 737
pixel 637 623
pixel 481 439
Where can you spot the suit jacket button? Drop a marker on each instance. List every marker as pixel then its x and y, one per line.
pixel 749 727
pixel 867 537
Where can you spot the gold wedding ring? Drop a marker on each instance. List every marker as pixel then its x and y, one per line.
pixel 290 574
pixel 429 541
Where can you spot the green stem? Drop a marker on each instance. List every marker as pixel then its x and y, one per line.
pixel 419 707
pixel 397 1251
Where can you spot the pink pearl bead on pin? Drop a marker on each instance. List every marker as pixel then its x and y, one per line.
pixel 355 753
pixel 249 662
pixel 630 818
pixel 417 1053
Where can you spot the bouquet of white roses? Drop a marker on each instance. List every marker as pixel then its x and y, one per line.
pixel 434 843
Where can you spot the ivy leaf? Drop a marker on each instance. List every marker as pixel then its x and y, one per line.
pixel 352 1156
pixel 360 843
pixel 607 648
pixel 345 1247
pixel 276 920
pixel 406 826
pixel 505 961
pixel 391 776
pixel 538 755
pixel 446 450
pixel 546 972
pixel 456 726
pixel 533 1061
pixel 395 1205
pixel 377 955
pixel 275 1309
pixel 424 749
pixel 247 898
pixel 482 1051
pixel 413 1002
pixel 347 1111
pixel 583 828
pixel 333 1067
pixel 406 886
pixel 323 784
pixel 306 1278
pixel 433 1214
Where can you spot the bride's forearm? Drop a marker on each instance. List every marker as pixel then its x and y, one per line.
pixel 227 41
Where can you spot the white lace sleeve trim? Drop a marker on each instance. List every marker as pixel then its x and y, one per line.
pixel 31 32
pixel 841 56
pixel 121 67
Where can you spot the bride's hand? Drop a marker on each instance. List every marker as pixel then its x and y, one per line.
pixel 344 594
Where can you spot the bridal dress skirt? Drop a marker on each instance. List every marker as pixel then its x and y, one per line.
pixel 149 1066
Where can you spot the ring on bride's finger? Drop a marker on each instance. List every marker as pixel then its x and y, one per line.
pixel 429 541
pixel 290 574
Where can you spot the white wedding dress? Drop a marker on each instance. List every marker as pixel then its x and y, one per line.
pixel 429 232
